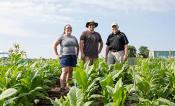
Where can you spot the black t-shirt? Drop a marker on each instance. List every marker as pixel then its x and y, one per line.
pixel 91 42
pixel 116 42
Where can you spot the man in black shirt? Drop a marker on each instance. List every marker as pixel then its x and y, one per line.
pixel 117 46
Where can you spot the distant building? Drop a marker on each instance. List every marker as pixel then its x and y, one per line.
pixel 162 54
pixel 4 54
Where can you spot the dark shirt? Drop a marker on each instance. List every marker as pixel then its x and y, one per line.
pixel 116 42
pixel 91 43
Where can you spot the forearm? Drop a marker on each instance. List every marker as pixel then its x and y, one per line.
pixel 55 48
pixel 126 50
pixel 81 47
pixel 81 50
pixel 55 51
pixel 77 50
pixel 100 48
pixel 107 51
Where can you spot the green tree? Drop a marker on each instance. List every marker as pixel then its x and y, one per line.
pixel 131 51
pixel 144 51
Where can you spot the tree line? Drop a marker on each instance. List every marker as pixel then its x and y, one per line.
pixel 143 51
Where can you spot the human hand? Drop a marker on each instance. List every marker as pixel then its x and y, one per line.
pixel 125 57
pixel 105 58
pixel 58 56
pixel 82 56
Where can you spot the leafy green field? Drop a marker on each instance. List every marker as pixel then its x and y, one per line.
pixel 23 82
pixel 102 84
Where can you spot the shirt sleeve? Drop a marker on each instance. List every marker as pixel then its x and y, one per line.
pixel 82 37
pixel 108 42
pixel 100 39
pixel 125 39
pixel 59 39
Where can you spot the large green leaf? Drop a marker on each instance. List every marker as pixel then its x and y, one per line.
pixel 110 90
pixel 96 96
pixel 144 87
pixel 88 103
pixel 92 85
pixel 166 101
pixel 76 97
pixel 108 81
pixel 81 78
pixel 7 93
pixel 119 95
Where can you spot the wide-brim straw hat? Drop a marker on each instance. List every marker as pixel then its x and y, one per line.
pixel 91 21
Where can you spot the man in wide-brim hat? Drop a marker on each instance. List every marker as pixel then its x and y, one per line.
pixel 91 43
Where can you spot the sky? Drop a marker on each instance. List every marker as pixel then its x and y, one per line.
pixel 36 24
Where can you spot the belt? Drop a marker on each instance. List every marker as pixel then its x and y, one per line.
pixel 115 50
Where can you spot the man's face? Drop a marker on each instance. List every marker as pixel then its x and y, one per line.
pixel 114 29
pixel 91 26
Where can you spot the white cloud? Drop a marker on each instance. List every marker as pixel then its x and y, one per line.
pixel 136 5
pixel 41 10
pixel 9 27
pixel 15 14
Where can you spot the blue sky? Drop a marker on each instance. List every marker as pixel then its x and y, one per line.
pixel 35 24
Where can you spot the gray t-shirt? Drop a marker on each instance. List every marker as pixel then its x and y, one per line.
pixel 68 45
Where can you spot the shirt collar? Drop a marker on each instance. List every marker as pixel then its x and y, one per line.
pixel 118 33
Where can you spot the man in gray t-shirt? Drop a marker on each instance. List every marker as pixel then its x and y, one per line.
pixel 91 43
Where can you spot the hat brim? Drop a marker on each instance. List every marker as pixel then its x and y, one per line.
pixel 87 24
